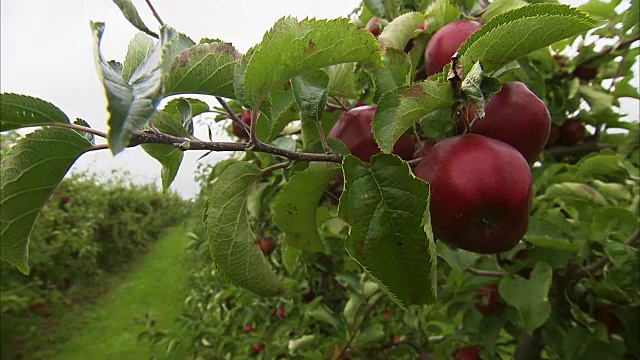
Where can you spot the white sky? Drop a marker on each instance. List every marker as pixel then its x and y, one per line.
pixel 46 52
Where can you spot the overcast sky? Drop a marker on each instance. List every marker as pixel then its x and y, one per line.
pixel 46 52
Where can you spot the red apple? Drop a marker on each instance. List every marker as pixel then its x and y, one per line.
pixel 468 352
pixel 257 348
pixel 586 72
pixel 37 305
pixel 487 299
pixel 65 199
pixel 445 42
pixel 247 328
pixel 571 132
pixel 353 128
pixel 308 296
pixel 238 130
pixel 554 135
pixel 515 115
pixel 604 315
pixel 374 26
pixel 280 313
pixel 480 192
pixel 267 244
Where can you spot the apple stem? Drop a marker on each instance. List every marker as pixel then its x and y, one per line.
pixel 342 106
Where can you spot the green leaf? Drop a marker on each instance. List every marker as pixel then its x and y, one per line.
pixel 385 206
pixel 398 32
pixel 529 297
pixel 441 12
pixel 375 6
pixel 399 109
pixel 169 157
pixel 293 48
pixel 599 101
pixel 603 166
pixel 499 6
pixel 131 14
pixel 197 107
pixel 575 192
pixel 139 49
pixel 204 69
pixel 30 172
pixel 477 87
pixel 396 71
pixel 310 91
pixel 515 33
pixel 19 111
pixel 283 110
pixel 296 205
pixel 232 243
pixel 131 105
pixel 342 80
pixel 458 259
pixel 169 124
pixel 90 137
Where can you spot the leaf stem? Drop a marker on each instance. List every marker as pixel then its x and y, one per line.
pixel 323 138
pixel 274 167
pixel 155 13
pixel 232 115
pixel 77 127
pixel 355 332
pixel 484 272
pixel 342 106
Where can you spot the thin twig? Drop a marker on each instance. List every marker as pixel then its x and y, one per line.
pixel 253 136
pixel 98 147
pixel 609 49
pixel 484 272
pixel 342 106
pixel 232 115
pixel 155 13
pixel 605 260
pixel 323 138
pixel 77 127
pixel 587 146
pixel 274 167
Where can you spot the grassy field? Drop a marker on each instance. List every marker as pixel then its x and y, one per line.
pixel 108 328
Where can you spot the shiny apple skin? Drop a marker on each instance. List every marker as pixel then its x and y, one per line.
pixel 445 42
pixel 515 115
pixel 480 193
pixel 353 128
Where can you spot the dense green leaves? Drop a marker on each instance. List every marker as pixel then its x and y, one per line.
pixel 385 206
pixel 30 173
pixel 399 109
pixel 310 91
pixel 294 214
pixel 518 32
pixel 292 48
pixel 395 72
pixel 132 104
pixel 204 69
pixel 233 245
pixel 529 297
pixel 19 111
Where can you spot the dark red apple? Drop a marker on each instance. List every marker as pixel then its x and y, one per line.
pixel 353 128
pixel 238 130
pixel 515 115
pixel 247 328
pixel 374 26
pixel 65 199
pixel 386 314
pixel 257 348
pixel 480 192
pixel 67 264
pixel 308 296
pixel 37 305
pixel 586 72
pixel 554 135
pixel 487 299
pixel 468 352
pixel 280 313
pixel 571 132
pixel 445 42
pixel 604 315
pixel 267 244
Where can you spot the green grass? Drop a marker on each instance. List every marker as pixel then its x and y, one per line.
pixel 109 328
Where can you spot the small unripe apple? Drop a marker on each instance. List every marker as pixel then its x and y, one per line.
pixel 257 349
pixel 468 352
pixel 571 132
pixel 516 116
pixel 267 244
pixel 374 26
pixel 487 299
pixel 353 128
pixel 445 42
pixel 238 130
pixel 480 192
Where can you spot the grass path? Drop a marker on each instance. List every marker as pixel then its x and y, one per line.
pixel 157 287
